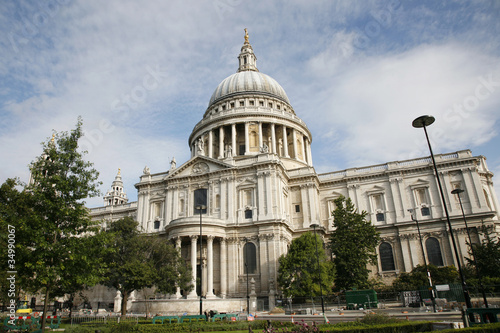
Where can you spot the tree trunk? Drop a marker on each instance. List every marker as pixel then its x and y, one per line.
pixel 45 308
pixel 124 303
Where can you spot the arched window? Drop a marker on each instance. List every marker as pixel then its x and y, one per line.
pixel 386 257
pixel 434 251
pixel 250 258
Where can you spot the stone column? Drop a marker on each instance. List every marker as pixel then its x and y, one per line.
pixel 306 217
pixel 309 154
pixel 476 199
pixel 273 149
pixel 192 293
pixel 261 203
pixel 446 184
pixel 253 296
pixel 210 144
pixel 247 139
pixel 233 140
pixel 304 157
pixel 261 143
pixel 396 198
pixel 223 268
pixel 175 202
pixel 414 242
pixel 178 243
pixel 210 267
pixel 294 144
pixel 221 142
pixel 285 143
pixel 406 253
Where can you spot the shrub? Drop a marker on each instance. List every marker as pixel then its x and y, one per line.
pixel 378 318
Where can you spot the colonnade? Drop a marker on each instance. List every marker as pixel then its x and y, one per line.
pixel 208 262
pixel 253 137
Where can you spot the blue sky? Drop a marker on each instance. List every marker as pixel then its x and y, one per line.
pixel 141 73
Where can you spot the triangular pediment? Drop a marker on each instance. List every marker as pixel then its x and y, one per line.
pixel 420 183
pixel 376 189
pixel 198 165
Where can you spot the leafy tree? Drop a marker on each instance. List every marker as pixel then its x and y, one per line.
pixel 353 244
pixel 140 261
pixel 298 269
pixel 487 255
pixel 418 277
pixel 56 240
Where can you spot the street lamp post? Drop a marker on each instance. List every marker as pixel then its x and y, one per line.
pixel 246 268
pixel 319 270
pixel 423 122
pixel 457 191
pixel 200 208
pixel 433 299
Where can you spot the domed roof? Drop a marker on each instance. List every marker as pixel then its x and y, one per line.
pixel 248 79
pixel 248 82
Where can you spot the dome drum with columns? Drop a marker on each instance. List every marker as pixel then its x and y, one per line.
pixel 251 167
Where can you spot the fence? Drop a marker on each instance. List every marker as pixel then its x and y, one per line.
pixel 77 319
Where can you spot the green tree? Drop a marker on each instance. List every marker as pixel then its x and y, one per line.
pixel 418 277
pixel 55 237
pixel 487 255
pixel 138 261
pixel 353 244
pixel 298 269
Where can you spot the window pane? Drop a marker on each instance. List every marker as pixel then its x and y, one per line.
pixel 386 257
pixel 250 258
pixel 248 214
pixel 425 211
pixel 380 217
pixel 434 252
pixel 200 199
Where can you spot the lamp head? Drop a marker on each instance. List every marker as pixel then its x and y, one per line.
pixel 457 191
pixel 423 121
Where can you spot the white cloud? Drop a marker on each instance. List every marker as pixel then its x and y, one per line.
pixel 358 102
pixel 373 102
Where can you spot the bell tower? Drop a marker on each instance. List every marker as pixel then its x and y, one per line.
pixel 116 196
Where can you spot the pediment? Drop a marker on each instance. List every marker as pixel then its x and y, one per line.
pixel 419 183
pixel 246 182
pixel 376 189
pixel 197 166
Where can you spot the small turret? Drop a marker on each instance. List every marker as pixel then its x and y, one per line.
pixel 248 60
pixel 116 196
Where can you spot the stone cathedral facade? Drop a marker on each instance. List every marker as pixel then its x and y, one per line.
pixel 251 180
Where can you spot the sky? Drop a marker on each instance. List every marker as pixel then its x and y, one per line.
pixel 141 74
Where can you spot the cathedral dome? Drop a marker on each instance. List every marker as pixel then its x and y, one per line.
pixel 248 79
pixel 245 82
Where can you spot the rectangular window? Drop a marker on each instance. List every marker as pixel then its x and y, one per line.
pixel 200 201
pixel 242 103
pixel 261 103
pixel 378 202
pixel 157 225
pixel 252 103
pixel 380 217
pixel 425 211
pixel 270 105
pixel 421 196
pixel 248 214
pixel 297 208
pixel 232 105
